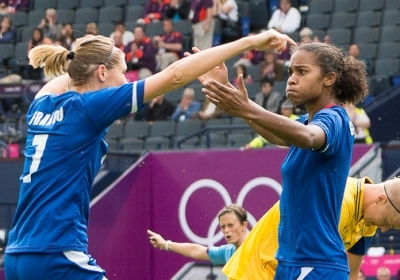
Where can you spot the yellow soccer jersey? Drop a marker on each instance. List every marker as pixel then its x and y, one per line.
pixel 351 225
pixel 255 258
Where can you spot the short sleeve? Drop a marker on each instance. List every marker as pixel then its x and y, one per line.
pixel 109 104
pixel 221 255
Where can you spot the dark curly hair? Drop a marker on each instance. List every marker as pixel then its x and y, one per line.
pixel 351 84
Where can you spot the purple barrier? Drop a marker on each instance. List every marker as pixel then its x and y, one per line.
pixel 179 194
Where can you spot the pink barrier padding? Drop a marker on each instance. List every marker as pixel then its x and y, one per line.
pixel 371 264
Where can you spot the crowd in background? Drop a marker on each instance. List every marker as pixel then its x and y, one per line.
pixel 146 55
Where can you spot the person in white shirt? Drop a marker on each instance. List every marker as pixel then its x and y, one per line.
pixel 226 10
pixel 286 19
pixel 127 36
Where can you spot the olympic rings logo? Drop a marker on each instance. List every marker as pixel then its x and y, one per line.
pixel 213 238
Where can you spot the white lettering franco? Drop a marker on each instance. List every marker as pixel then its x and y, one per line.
pixel 48 119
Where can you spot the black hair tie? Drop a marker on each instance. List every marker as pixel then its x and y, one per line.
pixel 71 55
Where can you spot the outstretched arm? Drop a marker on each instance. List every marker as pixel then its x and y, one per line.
pixel 189 68
pixel 191 250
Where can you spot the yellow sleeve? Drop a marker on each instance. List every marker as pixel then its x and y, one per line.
pixel 352 225
pixel 255 258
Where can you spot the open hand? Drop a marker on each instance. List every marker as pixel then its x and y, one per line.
pixel 227 97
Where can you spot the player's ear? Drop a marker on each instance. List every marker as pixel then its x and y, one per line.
pixel 330 79
pixel 100 72
pixel 381 199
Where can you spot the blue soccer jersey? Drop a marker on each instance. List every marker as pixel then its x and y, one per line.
pixel 65 130
pixel 312 193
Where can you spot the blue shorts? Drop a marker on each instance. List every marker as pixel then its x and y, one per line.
pixel 63 265
pixel 309 273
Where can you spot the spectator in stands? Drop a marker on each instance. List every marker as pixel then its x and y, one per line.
pixel 118 40
pixel 383 273
pixel 284 56
pixel 91 28
pixel 242 69
pixel 233 224
pixel 178 10
pixel 227 12
pixel 271 67
pixel 7 33
pixel 361 123
pixel 306 36
pixel 141 54
pixel 50 26
pixel 208 111
pixel 287 110
pixel 67 40
pixel 169 45
pixel 187 106
pixel 327 40
pixel 158 109
pixel 354 51
pixel 12 6
pixel 127 36
pixel 154 10
pixel 268 98
pixel 286 19
pixel 203 22
pixel 251 57
pixel 361 275
pixel 37 39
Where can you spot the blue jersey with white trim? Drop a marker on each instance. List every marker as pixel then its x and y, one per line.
pixel 312 195
pixel 64 150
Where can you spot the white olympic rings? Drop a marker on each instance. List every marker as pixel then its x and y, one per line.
pixel 213 238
